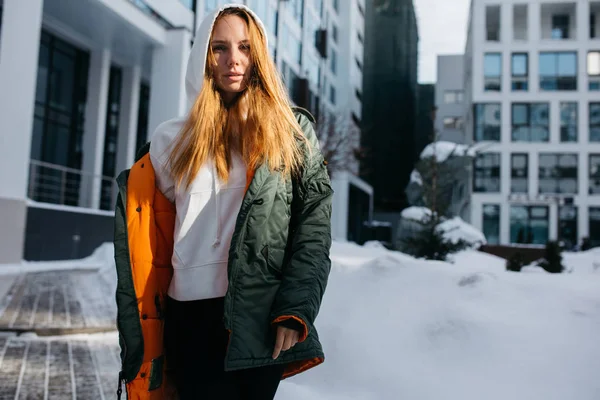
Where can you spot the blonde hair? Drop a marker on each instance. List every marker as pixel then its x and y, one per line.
pixel 260 124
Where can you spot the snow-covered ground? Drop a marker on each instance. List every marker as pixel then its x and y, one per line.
pixel 398 328
pixel 394 327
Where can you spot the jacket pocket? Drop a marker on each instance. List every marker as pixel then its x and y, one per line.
pixel 269 262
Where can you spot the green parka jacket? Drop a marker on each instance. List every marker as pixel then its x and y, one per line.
pixel 278 268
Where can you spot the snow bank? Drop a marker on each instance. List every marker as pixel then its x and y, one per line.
pixel 411 329
pixel 443 150
pixel 415 177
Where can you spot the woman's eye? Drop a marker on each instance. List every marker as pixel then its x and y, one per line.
pixel 219 48
pixel 245 47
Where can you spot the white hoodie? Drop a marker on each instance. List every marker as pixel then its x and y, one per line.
pixel 207 211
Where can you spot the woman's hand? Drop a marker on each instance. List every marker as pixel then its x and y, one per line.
pixel 286 339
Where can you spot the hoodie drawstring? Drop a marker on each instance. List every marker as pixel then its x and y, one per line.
pixel 217 241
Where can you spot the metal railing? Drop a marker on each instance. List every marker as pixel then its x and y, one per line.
pixel 57 184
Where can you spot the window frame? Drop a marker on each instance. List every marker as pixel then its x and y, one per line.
pixel 492 83
pixel 514 175
pixel 487 172
pixel 557 175
pixel 560 86
pixel 522 79
pixel 529 124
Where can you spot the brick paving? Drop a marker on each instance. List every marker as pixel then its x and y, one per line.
pixel 41 354
pixel 58 368
pixel 58 302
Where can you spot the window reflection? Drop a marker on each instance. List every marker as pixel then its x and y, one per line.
pixel 492 71
pixel 558 71
pixel 491 223
pixel 557 173
pixel 487 122
pixel 529 224
pixel 530 122
pixel 487 173
pixel 568 122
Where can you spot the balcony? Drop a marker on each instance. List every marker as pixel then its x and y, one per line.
pixel 558 21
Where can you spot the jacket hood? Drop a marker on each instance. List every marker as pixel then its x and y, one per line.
pixel 197 62
pixel 166 132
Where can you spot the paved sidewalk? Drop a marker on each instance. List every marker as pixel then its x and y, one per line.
pixel 50 347
pixel 59 368
pixel 59 302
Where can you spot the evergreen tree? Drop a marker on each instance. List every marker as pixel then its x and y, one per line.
pixel 552 261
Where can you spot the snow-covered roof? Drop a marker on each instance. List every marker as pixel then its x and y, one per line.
pixel 442 150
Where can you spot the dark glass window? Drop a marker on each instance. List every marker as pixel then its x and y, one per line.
pixel 594 174
pixel 334 33
pixel 143 109
pixel 487 122
pixel 491 223
pixel 332 95
pixel 594 122
pixel 568 122
pixel 487 173
pixel 530 122
pixel 560 26
pixel 557 173
pixel 361 10
pixel 593 70
pixel 594 226
pixel 492 72
pixel 558 71
pixel 518 173
pixel 529 224
pixel 567 226
pixel 57 138
pixel 520 72
pixel 332 60
pixel 113 113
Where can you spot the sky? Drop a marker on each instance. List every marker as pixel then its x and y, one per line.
pixel 442 30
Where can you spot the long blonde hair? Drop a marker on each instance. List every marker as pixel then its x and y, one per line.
pixel 260 124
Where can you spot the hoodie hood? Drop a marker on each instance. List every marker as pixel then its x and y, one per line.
pixel 194 77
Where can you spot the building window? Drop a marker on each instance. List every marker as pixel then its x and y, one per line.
pixel 487 173
pixel 358 63
pixel 560 26
pixel 558 71
pixel 334 33
pixel 594 122
pixel 529 224
pixel 58 121
pixel 487 122
pixel 358 94
pixel 453 96
pixel 453 123
pixel 109 164
pixel 297 9
pixel 518 173
pixel 593 70
pixel 332 94
pixel 492 72
pixel 336 5
pixel 567 226
pixel 520 72
pixel 594 174
pixel 520 21
pixel 143 114
pixel 594 226
pixel 557 174
pixel 568 122
pixel 592 25
pixel 491 223
pixel 361 10
pixel 360 38
pixel 333 60
pixel 492 23
pixel 530 122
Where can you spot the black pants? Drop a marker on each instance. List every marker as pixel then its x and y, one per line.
pixel 196 341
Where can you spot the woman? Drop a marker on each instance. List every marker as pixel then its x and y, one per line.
pixel 222 231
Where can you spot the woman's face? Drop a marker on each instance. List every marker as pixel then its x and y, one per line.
pixel 231 47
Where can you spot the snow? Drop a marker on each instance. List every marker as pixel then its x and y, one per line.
pixel 443 150
pixel 394 327
pixel 418 214
pixel 415 177
pixel 397 328
pixel 456 229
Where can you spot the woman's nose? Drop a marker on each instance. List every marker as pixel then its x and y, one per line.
pixel 234 57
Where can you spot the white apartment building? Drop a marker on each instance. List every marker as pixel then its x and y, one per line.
pixel 532 76
pixel 450 98
pixel 83 83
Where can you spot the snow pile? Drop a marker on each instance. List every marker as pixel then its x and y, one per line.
pixel 418 214
pixel 443 150
pixel 456 229
pixel 585 262
pixel 399 328
pixel 453 229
